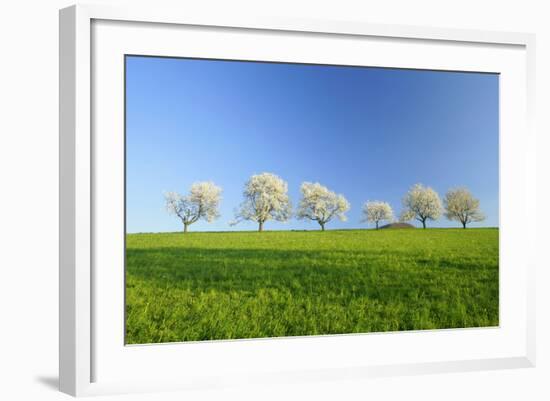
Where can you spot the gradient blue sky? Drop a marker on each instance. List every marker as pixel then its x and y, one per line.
pixel 368 133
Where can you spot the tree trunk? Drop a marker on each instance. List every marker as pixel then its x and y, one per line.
pixel 185 227
pixel 322 226
pixel 423 223
pixel 260 226
pixel 377 225
pixel 463 224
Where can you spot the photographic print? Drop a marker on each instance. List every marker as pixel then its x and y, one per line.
pixel 280 199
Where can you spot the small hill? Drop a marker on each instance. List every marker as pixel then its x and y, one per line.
pixel 398 225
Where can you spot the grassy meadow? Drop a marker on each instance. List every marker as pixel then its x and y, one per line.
pixel 230 285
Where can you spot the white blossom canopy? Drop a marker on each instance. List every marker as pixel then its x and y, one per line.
pixel 377 211
pixel 202 202
pixel 265 198
pixel 320 204
pixel 421 203
pixel 461 206
pixel 406 215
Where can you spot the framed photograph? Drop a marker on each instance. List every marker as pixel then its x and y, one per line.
pixel 276 200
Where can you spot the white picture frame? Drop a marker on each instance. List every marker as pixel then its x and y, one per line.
pixel 84 349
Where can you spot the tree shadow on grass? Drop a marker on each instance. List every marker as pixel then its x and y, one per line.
pixel 205 269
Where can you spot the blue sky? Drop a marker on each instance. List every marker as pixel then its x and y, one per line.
pixel 368 133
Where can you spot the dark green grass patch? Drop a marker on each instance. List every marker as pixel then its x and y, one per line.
pixel 212 286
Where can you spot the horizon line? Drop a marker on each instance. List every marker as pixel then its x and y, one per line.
pixel 313 230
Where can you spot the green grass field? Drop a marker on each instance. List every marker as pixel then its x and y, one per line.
pixel 211 286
